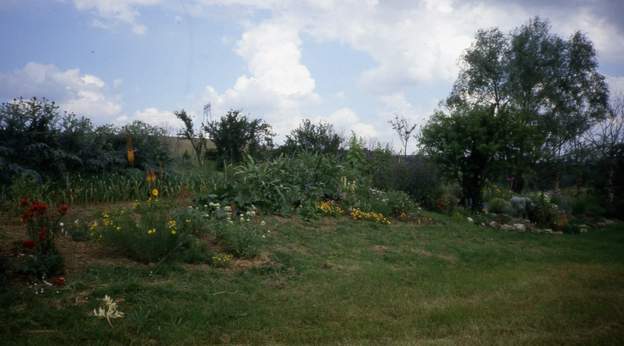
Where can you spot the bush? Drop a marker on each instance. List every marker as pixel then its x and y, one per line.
pixel 38 140
pixel 499 206
pixel 150 232
pixel 542 211
pixel 587 205
pixel 243 236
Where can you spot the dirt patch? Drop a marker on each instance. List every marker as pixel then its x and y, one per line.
pixel 444 257
pixel 379 249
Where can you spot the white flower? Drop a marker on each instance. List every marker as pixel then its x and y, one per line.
pixel 77 221
pixel 470 219
pixel 262 223
pixel 108 310
pixel 61 224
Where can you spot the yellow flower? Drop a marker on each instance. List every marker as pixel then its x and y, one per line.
pixel 155 193
pixel 151 231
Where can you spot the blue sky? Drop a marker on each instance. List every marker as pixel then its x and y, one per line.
pixel 352 63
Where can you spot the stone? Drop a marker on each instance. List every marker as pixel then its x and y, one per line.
pixel 519 227
pixel 507 227
pixel 493 224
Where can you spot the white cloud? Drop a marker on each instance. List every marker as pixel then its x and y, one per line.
pixel 155 117
pixel 345 121
pixel 278 86
pixel 116 11
pixel 83 94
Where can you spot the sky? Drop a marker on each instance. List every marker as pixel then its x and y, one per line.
pixel 353 63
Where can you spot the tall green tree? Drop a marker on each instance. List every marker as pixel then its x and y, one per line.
pixel 549 86
pixel 466 144
pixel 234 136
pixel 317 138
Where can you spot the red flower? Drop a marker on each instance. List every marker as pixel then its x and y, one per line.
pixel 43 233
pixel 63 208
pixel 27 215
pixel 38 207
pixel 24 202
pixel 58 280
pixel 29 244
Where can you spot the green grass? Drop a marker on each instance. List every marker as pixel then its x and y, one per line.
pixel 335 281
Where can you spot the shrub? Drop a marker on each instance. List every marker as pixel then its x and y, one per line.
pixel 499 206
pixel 312 138
pixel 149 232
pixel 235 136
pixel 542 211
pixel 587 205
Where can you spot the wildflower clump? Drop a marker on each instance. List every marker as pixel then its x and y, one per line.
pixel 42 226
pixel 330 208
pixel 357 214
pixel 108 310
pixel 222 260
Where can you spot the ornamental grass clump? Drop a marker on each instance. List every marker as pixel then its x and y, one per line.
pixel 42 225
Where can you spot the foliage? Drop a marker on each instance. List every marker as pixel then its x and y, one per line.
pixel 588 204
pixel 549 88
pixel 235 136
pixel 38 141
pixel 42 226
pixel 312 138
pixel 466 144
pixel 125 185
pixel 499 206
pixel 198 140
pixel 279 185
pixel 149 232
pixel 542 211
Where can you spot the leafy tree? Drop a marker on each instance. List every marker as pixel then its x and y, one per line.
pixel 198 140
pixel 404 129
pixel 606 141
pixel 466 144
pixel 549 86
pixel 234 135
pixel 38 140
pixel 314 138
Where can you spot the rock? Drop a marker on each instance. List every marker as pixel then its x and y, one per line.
pixel 558 233
pixel 548 230
pixel 493 224
pixel 519 227
pixel 507 227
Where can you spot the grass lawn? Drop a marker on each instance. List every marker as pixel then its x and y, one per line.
pixel 336 281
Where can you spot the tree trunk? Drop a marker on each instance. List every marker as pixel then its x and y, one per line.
pixel 517 184
pixel 471 193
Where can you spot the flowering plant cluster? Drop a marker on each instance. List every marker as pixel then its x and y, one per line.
pixel 222 260
pixel 330 208
pixel 41 227
pixel 357 214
